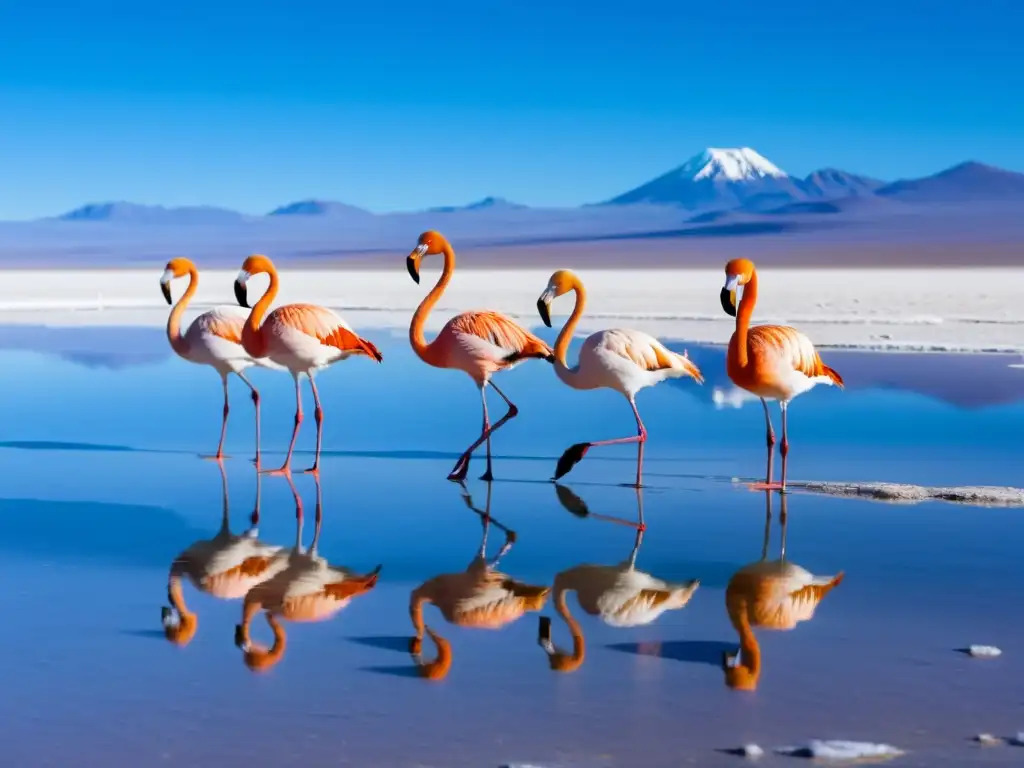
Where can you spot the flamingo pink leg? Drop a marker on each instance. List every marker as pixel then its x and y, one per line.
pixel 256 403
pixel 768 485
pixel 224 422
pixel 458 473
pixel 318 414
pixel 784 446
pixel 286 468
pixel 575 453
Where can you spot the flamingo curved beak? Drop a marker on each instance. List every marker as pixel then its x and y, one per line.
pixel 728 295
pixel 545 311
pixel 240 293
pixel 165 285
pixel 412 263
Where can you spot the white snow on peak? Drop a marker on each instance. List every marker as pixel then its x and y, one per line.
pixel 743 164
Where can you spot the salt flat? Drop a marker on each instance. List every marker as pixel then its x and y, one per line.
pixel 970 310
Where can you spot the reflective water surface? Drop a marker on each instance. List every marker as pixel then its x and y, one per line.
pixel 158 611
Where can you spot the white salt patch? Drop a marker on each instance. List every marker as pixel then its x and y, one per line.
pixel 977 495
pixel 987 739
pixel 842 750
pixel 984 651
pixel 752 751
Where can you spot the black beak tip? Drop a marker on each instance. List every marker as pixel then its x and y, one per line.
pixel 239 636
pixel 240 295
pixel 544 629
pixel 165 289
pixel 545 315
pixel 414 271
pixel 165 613
pixel 727 305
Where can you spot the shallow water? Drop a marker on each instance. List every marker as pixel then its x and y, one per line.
pixel 103 490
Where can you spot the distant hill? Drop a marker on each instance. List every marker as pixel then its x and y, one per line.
pixel 966 182
pixel 319 208
pixel 133 213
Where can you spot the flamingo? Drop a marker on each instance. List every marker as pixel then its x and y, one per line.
pixel 307 588
pixel 478 597
pixel 775 594
pixel 620 595
pixel 618 358
pixel 226 566
pixel 481 343
pixel 300 337
pixel 774 362
pixel 214 339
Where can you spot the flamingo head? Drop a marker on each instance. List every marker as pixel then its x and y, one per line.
pixel 175 268
pixel 179 626
pixel 737 274
pixel 559 284
pixel 738 676
pixel 254 265
pixel 430 243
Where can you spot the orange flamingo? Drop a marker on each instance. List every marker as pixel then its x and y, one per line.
pixel 480 597
pixel 619 358
pixel 226 566
pixel 214 338
pixel 300 337
pixel 306 589
pixel 774 362
pixel 774 594
pixel 481 343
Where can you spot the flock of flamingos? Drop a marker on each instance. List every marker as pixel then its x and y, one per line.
pixel 297 584
pixel 773 362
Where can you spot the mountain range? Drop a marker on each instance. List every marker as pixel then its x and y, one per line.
pixel 717 193
pixel 713 180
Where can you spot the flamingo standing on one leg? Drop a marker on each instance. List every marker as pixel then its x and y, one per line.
pixel 774 362
pixel 214 339
pixel 620 359
pixel 300 337
pixel 481 343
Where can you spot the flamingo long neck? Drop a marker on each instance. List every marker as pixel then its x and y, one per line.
pixel 750 651
pixel 419 598
pixel 562 369
pixel 564 662
pixel 178 343
pixel 426 352
pixel 743 315
pixel 174 592
pixel 253 339
pixel 440 666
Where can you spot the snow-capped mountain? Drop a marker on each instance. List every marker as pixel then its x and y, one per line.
pixel 718 178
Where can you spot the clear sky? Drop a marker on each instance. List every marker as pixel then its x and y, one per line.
pixel 398 105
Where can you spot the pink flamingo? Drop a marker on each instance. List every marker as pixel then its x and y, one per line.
pixel 214 338
pixel 481 343
pixel 300 337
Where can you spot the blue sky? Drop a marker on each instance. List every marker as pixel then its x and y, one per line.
pixel 398 105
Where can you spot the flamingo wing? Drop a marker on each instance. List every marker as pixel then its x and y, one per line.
pixel 790 348
pixel 646 352
pixel 509 340
pixel 326 327
pixel 223 323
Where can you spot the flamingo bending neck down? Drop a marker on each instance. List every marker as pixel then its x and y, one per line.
pixel 620 359
pixel 774 594
pixel 774 362
pixel 481 343
pixel 226 566
pixel 306 589
pixel 214 338
pixel 479 597
pixel 620 595
pixel 300 337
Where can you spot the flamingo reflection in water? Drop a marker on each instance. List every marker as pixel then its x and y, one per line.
pixel 307 589
pixel 620 595
pixel 226 566
pixel 774 594
pixel 480 597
